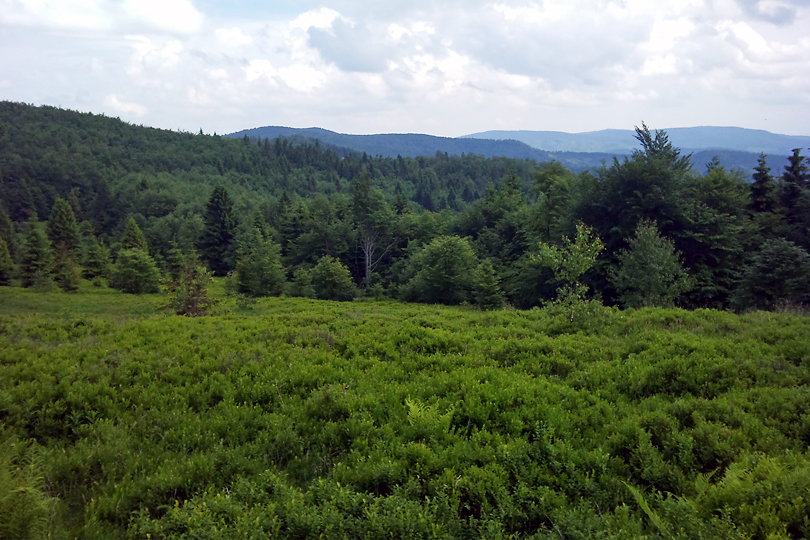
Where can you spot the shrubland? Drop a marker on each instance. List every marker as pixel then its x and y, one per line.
pixel 295 417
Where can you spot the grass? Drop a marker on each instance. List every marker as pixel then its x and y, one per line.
pixel 304 418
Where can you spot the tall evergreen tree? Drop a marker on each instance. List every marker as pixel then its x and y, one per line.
pixel 37 257
pixel 258 270
pixel 6 264
pixel 650 272
pixel 217 243
pixel 763 187
pixel 132 237
pixel 63 230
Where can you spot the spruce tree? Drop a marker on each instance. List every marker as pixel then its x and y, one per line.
pixel 67 273
pixel 135 272
pixel 132 237
pixel 6 264
pixel 258 270
pixel 650 272
pixel 37 257
pixel 217 244
pixel 188 291
pixel 63 230
pixel 8 233
pixel 486 291
pixel 763 187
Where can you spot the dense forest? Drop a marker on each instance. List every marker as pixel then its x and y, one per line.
pixel 289 411
pixel 89 196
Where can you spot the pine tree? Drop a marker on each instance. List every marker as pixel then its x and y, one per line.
pixel 95 258
pixel 189 290
pixel 763 187
pixel 135 272
pixel 67 273
pixel 6 264
pixel 7 233
pixel 63 230
pixel 487 292
pixel 132 237
pixel 37 257
pixel 650 272
pixel 258 270
pixel 217 244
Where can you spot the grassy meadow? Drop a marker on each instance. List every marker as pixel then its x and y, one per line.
pixel 299 418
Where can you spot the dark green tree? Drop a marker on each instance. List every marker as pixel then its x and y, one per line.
pixel 795 196
pixel 486 289
pixel 650 272
pixel 775 275
pixel 331 280
pixel 442 272
pixel 8 233
pixel 37 256
pixel 6 263
pixel 258 270
pixel 218 243
pixel 188 291
pixel 63 230
pixel 763 187
pixel 67 272
pixel 132 237
pixel 135 272
pixel 95 258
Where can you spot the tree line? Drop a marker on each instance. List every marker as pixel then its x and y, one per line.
pixel 133 206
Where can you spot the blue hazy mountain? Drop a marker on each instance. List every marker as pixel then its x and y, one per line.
pixel 736 148
pixel 622 141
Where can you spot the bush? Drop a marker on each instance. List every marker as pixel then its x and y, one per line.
pixel 331 280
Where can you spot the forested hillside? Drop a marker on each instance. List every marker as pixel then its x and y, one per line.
pixel 85 195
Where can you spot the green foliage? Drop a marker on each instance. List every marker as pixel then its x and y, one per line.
pixel 650 271
pixel 304 418
pixel 218 241
pixel 36 261
pixel 25 508
pixel 486 290
pixel 135 272
pixel 67 273
pixel 775 276
pixel 95 258
pixel 63 230
pixel 301 284
pixel 331 280
pixel 7 270
pixel 442 271
pixel 189 290
pixel 258 270
pixel 132 237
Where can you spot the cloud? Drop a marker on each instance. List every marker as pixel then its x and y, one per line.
pixel 419 65
pixel 176 16
pixel 779 12
pixel 126 108
pixel 169 15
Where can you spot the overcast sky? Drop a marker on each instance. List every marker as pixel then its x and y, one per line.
pixel 444 67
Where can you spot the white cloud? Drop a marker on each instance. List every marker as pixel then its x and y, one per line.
pixel 419 65
pixel 126 108
pixel 170 15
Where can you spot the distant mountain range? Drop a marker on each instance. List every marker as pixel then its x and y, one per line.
pixel 622 141
pixel 734 147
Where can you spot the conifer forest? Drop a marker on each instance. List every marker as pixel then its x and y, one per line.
pixel 204 336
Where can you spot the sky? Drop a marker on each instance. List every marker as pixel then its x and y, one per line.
pixel 442 67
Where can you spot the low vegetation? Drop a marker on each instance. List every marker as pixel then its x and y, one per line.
pixel 294 417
